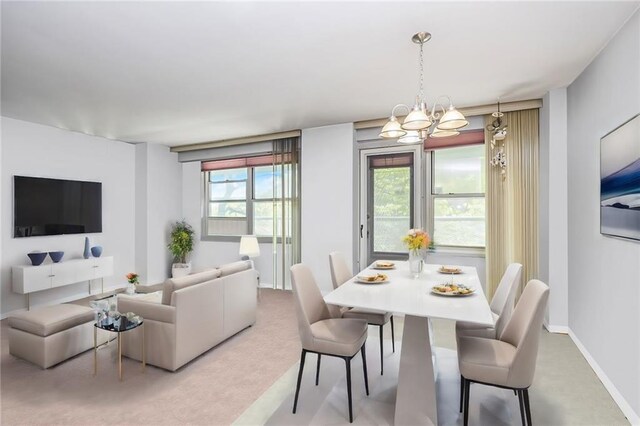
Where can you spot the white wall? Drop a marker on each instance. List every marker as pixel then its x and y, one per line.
pixel 327 197
pixel 35 150
pixel 604 272
pixel 163 207
pixel 553 216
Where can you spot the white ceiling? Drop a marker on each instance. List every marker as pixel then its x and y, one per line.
pixel 177 73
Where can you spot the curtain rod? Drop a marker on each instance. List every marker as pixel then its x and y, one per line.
pixel 235 141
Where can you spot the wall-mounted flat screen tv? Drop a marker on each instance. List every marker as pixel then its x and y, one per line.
pixel 44 206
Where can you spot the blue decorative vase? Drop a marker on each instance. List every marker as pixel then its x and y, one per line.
pixel 56 256
pixel 96 251
pixel 86 253
pixel 37 257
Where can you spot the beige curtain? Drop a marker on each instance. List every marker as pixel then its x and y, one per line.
pixel 512 200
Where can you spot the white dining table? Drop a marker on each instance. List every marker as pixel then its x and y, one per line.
pixel 404 294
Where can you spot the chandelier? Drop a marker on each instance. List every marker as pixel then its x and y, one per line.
pixel 419 122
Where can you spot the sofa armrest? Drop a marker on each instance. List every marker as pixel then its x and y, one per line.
pixel 148 310
pixel 149 288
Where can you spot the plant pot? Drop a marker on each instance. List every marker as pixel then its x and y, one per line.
pixel 180 270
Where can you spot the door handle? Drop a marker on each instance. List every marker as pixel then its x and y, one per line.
pixel 361 228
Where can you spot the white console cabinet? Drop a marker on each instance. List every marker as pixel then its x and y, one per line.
pixel 28 278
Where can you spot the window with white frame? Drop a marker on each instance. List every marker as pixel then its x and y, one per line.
pixel 247 200
pixel 457 196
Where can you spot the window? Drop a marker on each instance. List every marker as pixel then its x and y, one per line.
pixel 457 196
pixel 247 200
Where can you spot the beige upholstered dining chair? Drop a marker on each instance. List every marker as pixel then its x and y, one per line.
pixel 340 274
pixel 501 306
pixel 323 335
pixel 510 361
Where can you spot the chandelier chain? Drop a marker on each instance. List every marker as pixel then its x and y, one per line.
pixel 421 84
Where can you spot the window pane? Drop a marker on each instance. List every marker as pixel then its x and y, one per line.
pixel 227 175
pixel 228 184
pixel 263 181
pixel 459 170
pixel 263 217
pixel 459 222
pixel 228 191
pixel 228 209
pixel 391 208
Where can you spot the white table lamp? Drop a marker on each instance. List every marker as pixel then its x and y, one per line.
pixel 249 246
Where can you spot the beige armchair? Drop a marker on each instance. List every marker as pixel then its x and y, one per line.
pixel 323 335
pixel 509 362
pixel 501 306
pixel 340 274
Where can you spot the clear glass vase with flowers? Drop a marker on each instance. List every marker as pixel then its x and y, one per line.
pixel 416 241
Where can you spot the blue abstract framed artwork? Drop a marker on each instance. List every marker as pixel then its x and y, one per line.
pixel 620 181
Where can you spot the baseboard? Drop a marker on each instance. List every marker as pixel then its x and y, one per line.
pixel 560 329
pixel 60 300
pixel 626 408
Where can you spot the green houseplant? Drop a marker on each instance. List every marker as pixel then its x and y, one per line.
pixel 181 245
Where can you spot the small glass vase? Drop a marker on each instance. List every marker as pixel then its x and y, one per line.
pixel 416 263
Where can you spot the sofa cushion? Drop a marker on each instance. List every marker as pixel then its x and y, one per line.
pixel 173 284
pixel 235 267
pixel 49 320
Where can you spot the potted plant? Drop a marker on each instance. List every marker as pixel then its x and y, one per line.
pixel 180 246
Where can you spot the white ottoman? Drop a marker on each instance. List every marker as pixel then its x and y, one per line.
pixel 49 335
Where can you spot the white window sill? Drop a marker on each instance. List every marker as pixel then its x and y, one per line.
pixel 457 251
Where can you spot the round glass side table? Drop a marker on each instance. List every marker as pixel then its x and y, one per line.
pixel 122 324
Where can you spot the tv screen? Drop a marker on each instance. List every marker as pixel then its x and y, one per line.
pixel 54 206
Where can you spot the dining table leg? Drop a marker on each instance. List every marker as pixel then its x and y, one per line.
pixel 416 395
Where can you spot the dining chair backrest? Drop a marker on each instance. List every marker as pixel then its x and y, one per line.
pixel 310 306
pixel 523 331
pixel 504 297
pixel 340 272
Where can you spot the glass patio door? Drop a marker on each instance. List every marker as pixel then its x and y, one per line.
pixel 387 204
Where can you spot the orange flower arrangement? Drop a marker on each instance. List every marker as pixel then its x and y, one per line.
pixel 132 277
pixel 416 239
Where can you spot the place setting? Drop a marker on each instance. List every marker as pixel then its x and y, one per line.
pixel 371 278
pixel 452 289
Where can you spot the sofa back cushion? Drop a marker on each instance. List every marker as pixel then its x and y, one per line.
pixel 173 284
pixel 235 267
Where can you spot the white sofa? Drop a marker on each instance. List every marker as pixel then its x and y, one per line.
pixel 196 313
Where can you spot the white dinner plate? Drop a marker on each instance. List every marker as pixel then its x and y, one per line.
pixel 456 272
pixel 451 294
pixel 359 281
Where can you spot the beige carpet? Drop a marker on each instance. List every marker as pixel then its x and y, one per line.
pixel 213 389
pixel 249 376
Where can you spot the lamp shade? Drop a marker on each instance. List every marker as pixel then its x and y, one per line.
pixel 392 129
pixel 417 119
pixel 452 120
pixel 412 136
pixel 439 133
pixel 249 246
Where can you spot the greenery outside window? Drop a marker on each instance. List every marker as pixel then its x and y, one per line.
pixel 245 200
pixel 457 193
